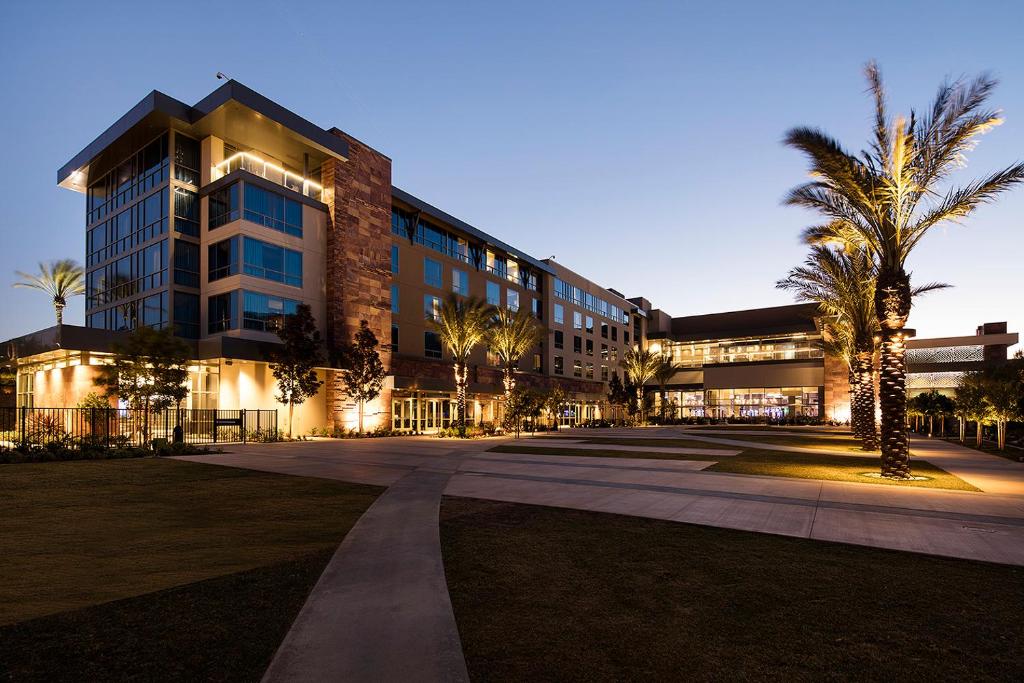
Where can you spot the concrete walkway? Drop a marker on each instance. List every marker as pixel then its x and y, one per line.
pixel 381 610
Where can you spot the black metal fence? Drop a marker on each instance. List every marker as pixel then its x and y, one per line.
pixel 132 427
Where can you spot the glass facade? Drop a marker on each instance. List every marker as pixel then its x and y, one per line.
pixel 698 354
pixel 258 259
pixel 272 210
pixel 770 402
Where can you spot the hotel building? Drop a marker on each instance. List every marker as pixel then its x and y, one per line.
pixel 218 219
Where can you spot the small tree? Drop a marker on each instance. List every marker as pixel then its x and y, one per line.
pixel 149 372
pixel 641 367
pixel 971 404
pixel 462 324
pixel 554 399
pixel 294 363
pixel 1002 388
pixel 617 395
pixel 362 372
pixel 520 404
pixel 512 335
pixel 663 375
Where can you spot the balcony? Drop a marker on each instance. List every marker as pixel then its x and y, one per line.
pixel 247 161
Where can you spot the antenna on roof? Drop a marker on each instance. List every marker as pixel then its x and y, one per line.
pixel 221 76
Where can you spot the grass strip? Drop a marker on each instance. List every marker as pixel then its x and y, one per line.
pixel 552 594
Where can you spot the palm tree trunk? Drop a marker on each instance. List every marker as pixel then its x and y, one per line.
pixel 866 400
pixel 460 396
pixel 856 425
pixel 892 395
pixel 978 434
pixel 58 308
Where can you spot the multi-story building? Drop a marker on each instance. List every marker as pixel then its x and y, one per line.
pixel 218 219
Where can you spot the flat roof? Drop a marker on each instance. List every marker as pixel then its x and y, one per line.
pixel 795 318
pixel 439 215
pixel 159 108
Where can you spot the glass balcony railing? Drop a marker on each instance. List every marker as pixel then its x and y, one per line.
pixel 247 161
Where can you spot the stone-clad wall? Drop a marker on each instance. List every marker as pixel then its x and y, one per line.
pixel 837 389
pixel 358 256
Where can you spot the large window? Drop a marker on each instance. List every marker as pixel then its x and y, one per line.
pixel 186 314
pixel 129 180
pixel 264 312
pixel 186 159
pixel 223 206
pixel 559 339
pixel 186 263
pixel 431 307
pixel 429 235
pixel 432 273
pixel 272 210
pixel 154 311
pixel 394 259
pixel 128 228
pixel 259 259
pixel 493 293
pixel 559 314
pixel 512 299
pixel 394 298
pixel 272 262
pixel 460 282
pixel 186 212
pixel 431 344
pixel 223 259
pixel 222 312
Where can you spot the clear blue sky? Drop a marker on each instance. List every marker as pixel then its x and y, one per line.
pixel 636 142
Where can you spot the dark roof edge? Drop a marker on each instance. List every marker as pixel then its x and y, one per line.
pixel 437 213
pixel 157 101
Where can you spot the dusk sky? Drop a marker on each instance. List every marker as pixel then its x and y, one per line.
pixel 639 143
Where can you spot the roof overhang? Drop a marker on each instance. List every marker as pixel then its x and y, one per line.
pixel 231 112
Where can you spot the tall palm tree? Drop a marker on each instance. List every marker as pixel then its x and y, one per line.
pixel 837 342
pixel 663 375
pixel 887 198
pixel 60 279
pixel 511 336
pixel 641 365
pixel 842 284
pixel 462 324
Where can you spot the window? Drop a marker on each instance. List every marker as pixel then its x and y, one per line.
pixel 186 263
pixel 431 307
pixel 590 371
pixel 604 330
pixel 604 373
pixel 186 159
pixel 428 235
pixel 186 212
pixel 272 210
pixel 265 313
pixel 394 259
pixel 512 299
pixel 559 365
pixel 615 334
pixel 431 344
pixel 394 337
pixel 223 259
pixel 604 352
pixel 271 262
pixel 577 344
pixel 590 325
pixel 577 368
pixel 154 311
pixel 614 356
pixel 577 320
pixel 590 347
pixel 493 293
pixel 559 314
pixel 223 206
pixel 538 363
pixel 432 273
pixel 460 282
pixel 186 315
pixel 222 312
pixel 535 307
pixel 625 336
pixel 559 340
pixel 394 298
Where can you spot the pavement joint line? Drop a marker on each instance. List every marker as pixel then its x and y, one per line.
pixel 631 468
pixel 763 498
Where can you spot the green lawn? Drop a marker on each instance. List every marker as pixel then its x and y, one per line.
pixel 81 535
pixel 827 441
pixel 551 594
pixel 833 467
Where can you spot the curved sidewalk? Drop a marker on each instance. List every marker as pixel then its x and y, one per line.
pixel 381 609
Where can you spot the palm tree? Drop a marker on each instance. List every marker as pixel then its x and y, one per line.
pixel 60 279
pixel 837 342
pixel 886 199
pixel 462 325
pixel 842 284
pixel 663 375
pixel 641 365
pixel 511 336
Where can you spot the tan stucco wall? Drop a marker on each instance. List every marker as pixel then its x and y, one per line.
pixel 64 387
pixel 251 385
pixel 810 374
